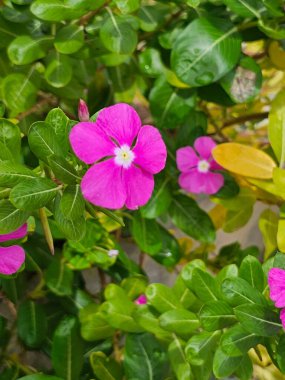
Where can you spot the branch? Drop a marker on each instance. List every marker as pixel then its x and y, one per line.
pixel 245 118
pixel 84 19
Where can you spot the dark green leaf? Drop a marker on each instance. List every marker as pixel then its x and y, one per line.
pixel 69 39
pixel 10 217
pixel 11 174
pixel 251 271
pixel 63 170
pixel 216 315
pixel 59 278
pixel 224 365
pixel 105 368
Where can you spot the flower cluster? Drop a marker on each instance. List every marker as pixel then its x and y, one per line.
pixel 13 257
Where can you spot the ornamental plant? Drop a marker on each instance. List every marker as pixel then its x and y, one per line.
pixel 134 136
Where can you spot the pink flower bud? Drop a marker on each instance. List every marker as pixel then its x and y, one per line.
pixel 141 300
pixel 83 112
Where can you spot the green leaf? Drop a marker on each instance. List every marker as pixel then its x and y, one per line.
pixel 236 341
pixel 72 204
pixel 43 141
pixel 162 298
pixel 205 51
pixel 244 82
pixel 246 8
pixel 258 320
pixel 251 271
pixel 268 226
pixel 187 215
pixel 54 10
pixel 181 322
pixel 127 6
pixel 11 174
pixel 145 358
pixel 169 106
pixel 150 62
pixel 25 49
pixel 146 318
pixel 185 296
pixel 93 326
pixel 19 93
pixel 146 234
pixel 178 360
pixel 40 377
pixel 30 195
pixel 188 269
pixel 134 286
pixel 59 122
pixel 63 170
pixel 58 72
pixel 160 200
pixel 32 324
pixel 280 353
pixel 105 368
pixel 201 346
pixel 204 286
pixel 69 39
pixel 118 34
pixel 224 365
pixel 276 126
pixel 216 315
pixel 237 291
pixel 119 315
pixel 245 369
pixel 150 17
pixel 59 278
pixel 67 349
pixel 10 217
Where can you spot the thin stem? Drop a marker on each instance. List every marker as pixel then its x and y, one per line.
pixel 46 229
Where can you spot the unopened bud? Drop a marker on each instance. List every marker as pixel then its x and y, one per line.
pixel 83 112
pixel 141 300
pixel 113 253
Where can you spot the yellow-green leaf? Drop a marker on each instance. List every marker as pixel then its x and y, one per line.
pixel 276 126
pixel 244 160
pixel 281 235
pixel 268 224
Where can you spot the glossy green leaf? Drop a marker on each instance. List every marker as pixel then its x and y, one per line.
pixel 25 49
pixel 206 50
pixel 224 365
pixel 145 358
pixel 178 360
pixel 182 322
pixel 187 215
pixel 58 72
pixel 67 349
pixel 19 93
pixel 127 6
pixel 201 346
pixel 59 122
pixel 118 34
pixel 146 234
pixel 258 320
pixel 105 368
pixel 63 170
pixel 237 291
pixel 11 174
pixel 162 298
pixel 40 377
pixel 43 141
pixel 280 353
pixel 251 271
pixel 11 218
pixel 59 278
pixel 69 39
pixel 236 341
pixel 148 320
pixel 204 286
pixel 72 204
pixel 32 324
pixel 216 315
pixel 246 8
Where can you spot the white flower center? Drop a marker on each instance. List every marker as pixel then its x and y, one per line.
pixel 124 156
pixel 203 166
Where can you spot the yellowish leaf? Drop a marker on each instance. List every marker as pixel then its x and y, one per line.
pixel 281 235
pixel 277 55
pixel 268 226
pixel 218 216
pixel 244 160
pixel 276 127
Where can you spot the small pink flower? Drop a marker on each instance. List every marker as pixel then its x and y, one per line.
pixel 276 282
pixel 141 300
pixel 83 112
pixel 125 157
pixel 198 166
pixel 12 258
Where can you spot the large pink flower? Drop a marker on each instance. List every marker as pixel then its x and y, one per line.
pixel 125 157
pixel 276 282
pixel 12 258
pixel 198 167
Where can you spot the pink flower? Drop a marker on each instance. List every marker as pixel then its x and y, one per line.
pixel 141 300
pixel 12 258
pixel 197 167
pixel 125 157
pixel 276 282
pixel 83 112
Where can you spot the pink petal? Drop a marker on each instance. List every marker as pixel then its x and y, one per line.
pixel 204 145
pixel 89 143
pixel 11 259
pixel 280 299
pixel 282 317
pixel 139 186
pixel 103 185
pixel 215 166
pixel 18 234
pixel 120 122
pixel 141 300
pixel 150 150
pixel 276 274
pixel 186 159
pixel 196 182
